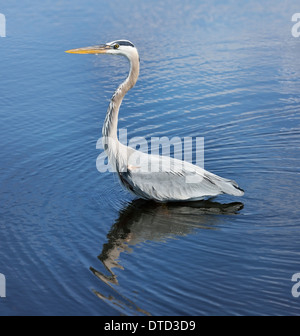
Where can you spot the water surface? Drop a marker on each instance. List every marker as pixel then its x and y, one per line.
pixel 72 241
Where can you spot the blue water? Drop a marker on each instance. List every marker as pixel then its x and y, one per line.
pixel 72 241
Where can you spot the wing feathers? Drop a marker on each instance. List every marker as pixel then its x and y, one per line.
pixel 174 180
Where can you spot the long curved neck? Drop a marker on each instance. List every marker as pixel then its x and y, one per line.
pixel 110 125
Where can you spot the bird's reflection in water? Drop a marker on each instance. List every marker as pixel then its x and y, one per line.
pixel 143 221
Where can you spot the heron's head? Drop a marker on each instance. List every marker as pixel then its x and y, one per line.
pixel 120 47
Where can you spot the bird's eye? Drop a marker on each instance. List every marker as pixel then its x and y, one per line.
pixel 116 46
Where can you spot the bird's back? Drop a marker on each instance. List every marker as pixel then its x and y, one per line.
pixel 165 179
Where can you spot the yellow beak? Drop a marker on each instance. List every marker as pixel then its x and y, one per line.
pixel 100 49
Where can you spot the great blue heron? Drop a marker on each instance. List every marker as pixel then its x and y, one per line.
pixel 152 177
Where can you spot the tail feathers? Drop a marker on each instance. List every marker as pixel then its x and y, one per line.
pixel 230 187
pixel 237 190
pixel 226 186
